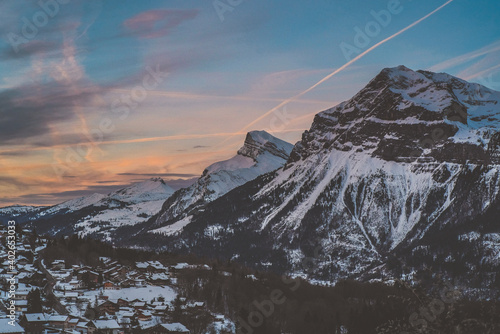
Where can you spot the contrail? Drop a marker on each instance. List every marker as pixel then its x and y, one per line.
pixel 358 57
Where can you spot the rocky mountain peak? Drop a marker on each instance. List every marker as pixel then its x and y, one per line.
pixel 406 115
pixel 258 142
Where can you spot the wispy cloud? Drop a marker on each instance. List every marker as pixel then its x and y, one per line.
pixel 449 64
pixel 158 22
pixel 29 111
pixel 7 181
pixel 28 49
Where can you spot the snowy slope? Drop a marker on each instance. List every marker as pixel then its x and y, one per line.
pixel 128 206
pixel 150 190
pixel 102 215
pixel 15 211
pixel 260 154
pixel 74 204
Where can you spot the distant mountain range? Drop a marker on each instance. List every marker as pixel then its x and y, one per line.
pixel 403 177
pixel 105 216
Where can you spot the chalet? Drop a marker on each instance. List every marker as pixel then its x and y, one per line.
pixel 34 322
pixel 81 327
pixel 127 283
pixel 127 313
pixel 22 306
pixel 21 260
pixel 23 250
pixel 196 305
pixel 142 266
pixel 138 282
pixel 58 321
pixel 160 310
pixel 75 283
pixel 122 302
pixel 159 278
pixel 179 266
pixel 111 286
pixel 109 272
pixel 117 277
pixel 73 323
pixel 109 307
pixel 7 328
pixel 81 270
pixel 103 327
pixel 173 328
pixel 21 295
pixel 58 264
pixel 143 315
pixel 124 323
pixel 139 305
pixel 71 296
pixel 93 276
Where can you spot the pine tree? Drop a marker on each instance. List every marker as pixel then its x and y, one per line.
pixel 100 279
pixel 34 302
pixel 177 313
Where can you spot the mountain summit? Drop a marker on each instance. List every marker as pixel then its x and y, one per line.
pixel 261 153
pixel 403 115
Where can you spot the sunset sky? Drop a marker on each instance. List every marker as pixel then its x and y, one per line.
pixel 97 94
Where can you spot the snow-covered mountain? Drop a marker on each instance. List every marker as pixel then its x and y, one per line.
pixel 14 211
pixel 410 161
pixel 151 190
pixel 261 153
pixel 74 204
pixel 96 214
pixel 125 207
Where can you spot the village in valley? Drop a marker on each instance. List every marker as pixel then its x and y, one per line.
pixel 54 296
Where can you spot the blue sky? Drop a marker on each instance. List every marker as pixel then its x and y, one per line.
pixel 220 67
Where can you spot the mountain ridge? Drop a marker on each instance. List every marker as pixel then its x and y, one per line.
pixel 261 153
pixel 364 183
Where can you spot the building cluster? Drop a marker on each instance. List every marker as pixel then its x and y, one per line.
pixel 110 298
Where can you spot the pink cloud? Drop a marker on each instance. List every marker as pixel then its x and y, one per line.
pixel 158 22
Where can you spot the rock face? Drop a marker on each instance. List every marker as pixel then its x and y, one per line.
pixel 261 153
pixel 412 153
pixel 401 113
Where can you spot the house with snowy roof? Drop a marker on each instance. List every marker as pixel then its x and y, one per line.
pixel 6 327
pixel 33 322
pixel 171 328
pixel 103 327
pixel 58 321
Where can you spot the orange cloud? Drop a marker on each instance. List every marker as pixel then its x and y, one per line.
pixel 158 22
